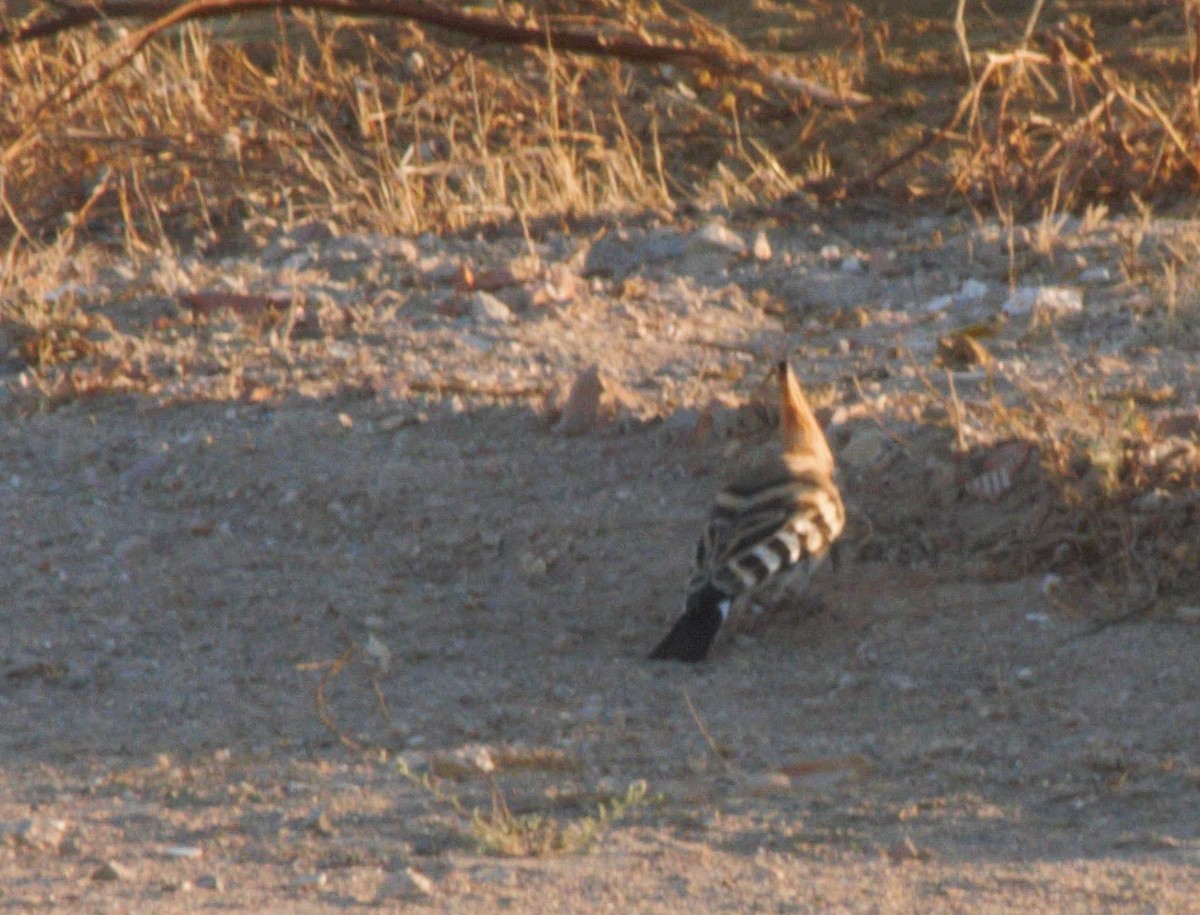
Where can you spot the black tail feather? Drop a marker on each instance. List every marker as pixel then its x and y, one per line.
pixel 693 633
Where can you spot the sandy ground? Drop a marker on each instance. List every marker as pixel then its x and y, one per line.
pixel 184 562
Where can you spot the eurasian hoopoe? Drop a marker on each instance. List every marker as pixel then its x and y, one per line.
pixel 767 531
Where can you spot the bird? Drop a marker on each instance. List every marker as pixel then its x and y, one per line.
pixel 768 529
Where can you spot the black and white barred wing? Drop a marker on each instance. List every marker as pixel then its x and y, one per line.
pixel 767 530
pixel 771 532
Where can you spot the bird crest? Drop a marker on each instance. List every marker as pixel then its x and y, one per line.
pixel 802 434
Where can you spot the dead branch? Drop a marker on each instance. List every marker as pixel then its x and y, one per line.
pixel 491 29
pixel 323 705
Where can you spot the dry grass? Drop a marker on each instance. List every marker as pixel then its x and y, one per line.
pixel 374 125
pixel 1110 501
pixel 1054 127
pixel 385 126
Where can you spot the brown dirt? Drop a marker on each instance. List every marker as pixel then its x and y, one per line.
pixel 183 564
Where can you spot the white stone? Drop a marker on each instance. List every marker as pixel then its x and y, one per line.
pixel 972 291
pixel 1053 301
pixel 719 236
pixel 43 833
pixel 864 449
pixel 111 871
pixel 487 309
pixel 183 851
pixel 762 247
pixel 409 883
pixel 315 881
pixel 1095 275
pixel 1188 614
pixel 378 653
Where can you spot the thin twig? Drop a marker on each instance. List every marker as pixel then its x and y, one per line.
pixel 1034 15
pixel 1128 616
pixel 969 103
pixel 458 386
pixel 956 414
pixel 323 706
pixel 708 738
pixel 960 31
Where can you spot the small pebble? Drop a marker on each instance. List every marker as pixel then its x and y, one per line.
pixel 718 236
pixel 487 309
pixel 1052 301
pixel 972 290
pixel 497 876
pixel 762 247
pixel 183 851
pixel 378 654
pixel 907 850
pixel 311 881
pixel 1095 275
pixel 38 832
pixel 765 784
pixel 1050 582
pixel 531 565
pixel 409 883
pixel 848 680
pixel 111 871
pixel 318 823
pixel 1188 614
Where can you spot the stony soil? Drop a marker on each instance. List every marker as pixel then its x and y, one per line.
pixel 216 504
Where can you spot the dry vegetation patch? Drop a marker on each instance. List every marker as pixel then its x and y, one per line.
pixel 405 128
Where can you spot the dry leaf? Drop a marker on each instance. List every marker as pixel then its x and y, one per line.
pixel 464 280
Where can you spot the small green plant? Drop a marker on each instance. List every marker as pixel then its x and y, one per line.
pixel 499 831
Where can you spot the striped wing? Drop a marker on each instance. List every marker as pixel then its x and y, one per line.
pixel 781 513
